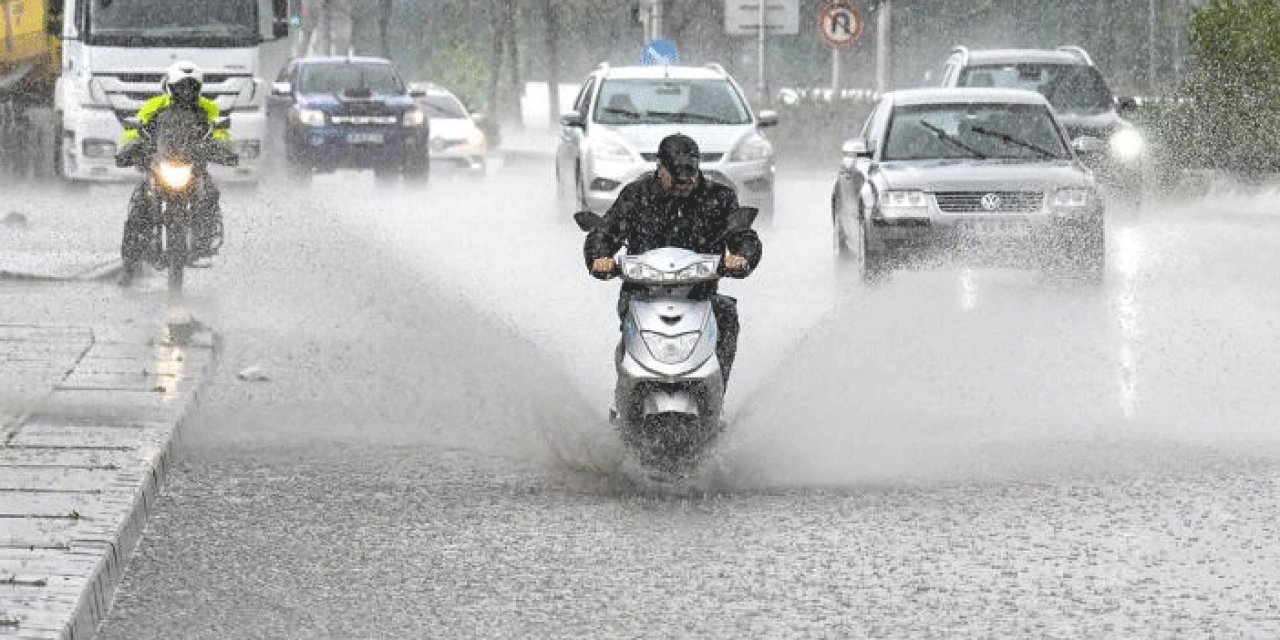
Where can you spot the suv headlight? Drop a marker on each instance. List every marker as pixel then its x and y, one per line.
pixel 904 204
pixel 414 118
pixel 311 117
pixel 1072 198
pixel 670 349
pixel 752 147
pixel 1127 144
pixel 611 151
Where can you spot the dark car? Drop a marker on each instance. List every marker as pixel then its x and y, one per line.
pixel 1085 104
pixel 349 113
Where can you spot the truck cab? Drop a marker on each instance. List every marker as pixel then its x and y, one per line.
pixel 114 56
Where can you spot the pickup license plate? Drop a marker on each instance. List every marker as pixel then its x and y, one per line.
pixel 364 138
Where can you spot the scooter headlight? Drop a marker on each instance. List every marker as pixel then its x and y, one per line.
pixel 636 270
pixel 175 175
pixel 670 349
pixel 700 270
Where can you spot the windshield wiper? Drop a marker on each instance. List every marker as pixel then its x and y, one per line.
pixel 1017 142
pixel 702 117
pixel 621 112
pixel 946 137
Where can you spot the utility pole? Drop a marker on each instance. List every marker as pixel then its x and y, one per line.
pixel 1151 47
pixel 884 46
pixel 761 89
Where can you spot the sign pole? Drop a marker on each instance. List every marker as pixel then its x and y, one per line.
pixel 835 70
pixel 760 86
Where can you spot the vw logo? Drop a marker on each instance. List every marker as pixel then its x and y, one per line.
pixel 991 202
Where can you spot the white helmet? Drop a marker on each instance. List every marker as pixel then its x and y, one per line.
pixel 183 70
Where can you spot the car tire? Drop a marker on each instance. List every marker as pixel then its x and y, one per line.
pixel 579 191
pixel 418 171
pixel 297 171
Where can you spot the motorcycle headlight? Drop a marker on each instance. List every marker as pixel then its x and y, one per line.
pixel 414 118
pixel 1072 198
pixel 753 147
pixel 670 349
pixel 174 175
pixel 610 150
pixel 904 204
pixel 1127 144
pixel 311 117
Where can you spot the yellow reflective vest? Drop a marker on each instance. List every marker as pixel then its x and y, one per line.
pixel 159 103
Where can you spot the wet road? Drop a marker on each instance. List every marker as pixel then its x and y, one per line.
pixel 955 454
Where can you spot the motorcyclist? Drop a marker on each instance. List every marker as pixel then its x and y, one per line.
pixel 182 85
pixel 676 206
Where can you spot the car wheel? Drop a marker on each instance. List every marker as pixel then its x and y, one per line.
pixel 298 171
pixel 580 192
pixel 874 265
pixel 418 171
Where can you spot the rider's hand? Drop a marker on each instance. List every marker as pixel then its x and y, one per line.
pixel 603 268
pixel 735 265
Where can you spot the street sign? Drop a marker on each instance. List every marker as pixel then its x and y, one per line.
pixel 781 17
pixel 840 25
pixel 660 52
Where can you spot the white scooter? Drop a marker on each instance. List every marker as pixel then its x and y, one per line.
pixel 670 389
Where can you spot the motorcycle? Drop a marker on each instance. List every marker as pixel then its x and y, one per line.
pixel 174 150
pixel 669 394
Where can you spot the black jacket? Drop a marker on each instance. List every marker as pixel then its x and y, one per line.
pixel 646 217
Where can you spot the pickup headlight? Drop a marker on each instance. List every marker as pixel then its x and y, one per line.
pixel 670 349
pixel 1072 198
pixel 610 151
pixel 311 117
pixel 904 204
pixel 414 118
pixel 752 147
pixel 1127 144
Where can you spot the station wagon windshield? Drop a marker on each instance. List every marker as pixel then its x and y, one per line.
pixel 666 101
pixel 344 77
pixel 985 131
pixel 1068 87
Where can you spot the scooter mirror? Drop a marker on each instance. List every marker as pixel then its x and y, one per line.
pixel 588 220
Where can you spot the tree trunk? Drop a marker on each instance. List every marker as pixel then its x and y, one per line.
pixel 496 9
pixel 513 51
pixel 553 63
pixel 384 28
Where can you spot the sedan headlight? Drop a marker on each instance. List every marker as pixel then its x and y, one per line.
pixel 1127 144
pixel 752 147
pixel 414 118
pixel 311 117
pixel 1072 198
pixel 670 349
pixel 611 151
pixel 175 175
pixel 904 204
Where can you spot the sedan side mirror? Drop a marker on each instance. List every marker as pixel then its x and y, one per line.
pixel 1088 144
pixel 417 92
pixel 768 118
pixel 477 117
pixel 282 89
pixel 1126 105
pixel 855 148
pixel 571 119
pixel 588 220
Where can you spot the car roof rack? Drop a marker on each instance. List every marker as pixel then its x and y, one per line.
pixel 962 51
pixel 715 66
pixel 1078 51
pixel 603 66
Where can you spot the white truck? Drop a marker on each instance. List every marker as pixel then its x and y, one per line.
pixel 115 52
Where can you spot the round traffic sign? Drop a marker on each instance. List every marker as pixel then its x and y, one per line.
pixel 840 25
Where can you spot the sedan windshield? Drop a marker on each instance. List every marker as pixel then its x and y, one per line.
pixel 348 77
pixel 665 101
pixel 975 131
pixel 1070 88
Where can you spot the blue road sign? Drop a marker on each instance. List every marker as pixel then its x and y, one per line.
pixel 660 52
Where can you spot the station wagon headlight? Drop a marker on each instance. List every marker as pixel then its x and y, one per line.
pixel 1072 198
pixel 1127 144
pixel 610 150
pixel 904 204
pixel 311 117
pixel 752 147
pixel 670 349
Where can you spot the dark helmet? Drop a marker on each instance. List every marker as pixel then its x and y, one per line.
pixel 679 154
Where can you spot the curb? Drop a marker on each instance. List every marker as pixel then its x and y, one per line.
pixel 112 424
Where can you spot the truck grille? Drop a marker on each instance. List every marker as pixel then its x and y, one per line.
pixel 990 201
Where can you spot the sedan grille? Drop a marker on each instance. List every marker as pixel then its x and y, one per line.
pixel 364 119
pixel 990 201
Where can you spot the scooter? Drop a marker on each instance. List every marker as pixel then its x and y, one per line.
pixel 669 394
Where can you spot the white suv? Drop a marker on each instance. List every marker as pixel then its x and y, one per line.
pixel 621 114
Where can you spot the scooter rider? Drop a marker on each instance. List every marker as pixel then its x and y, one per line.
pixel 182 85
pixel 676 206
